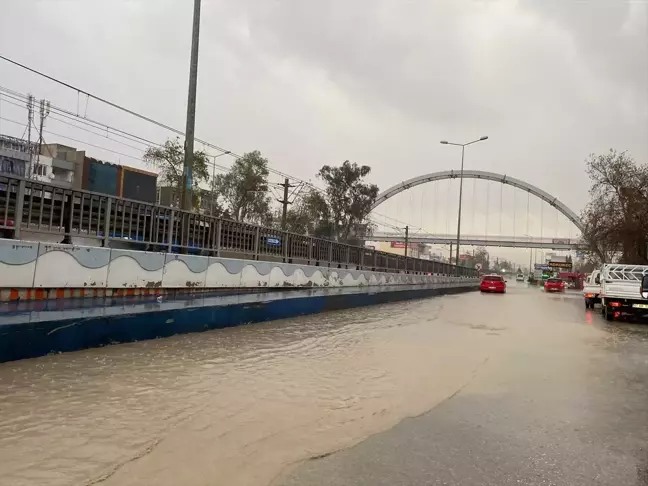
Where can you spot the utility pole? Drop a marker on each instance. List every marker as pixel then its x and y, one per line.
pixel 450 259
pixel 186 202
pixel 30 121
pixel 406 239
pixel 44 112
pixel 285 202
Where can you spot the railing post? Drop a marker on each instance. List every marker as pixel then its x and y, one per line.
pixel 257 235
pixel 330 253
pixel 286 247
pixel 170 231
pixel 348 255
pixel 375 259
pixel 310 249
pixel 18 211
pixel 219 229
pixel 106 224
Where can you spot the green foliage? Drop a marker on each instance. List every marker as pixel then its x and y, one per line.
pixel 616 218
pixel 348 197
pixel 169 160
pixel 244 189
pixel 310 215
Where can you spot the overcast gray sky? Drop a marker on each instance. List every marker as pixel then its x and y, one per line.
pixel 378 82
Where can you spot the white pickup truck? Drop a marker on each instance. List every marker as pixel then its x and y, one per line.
pixel 624 290
pixel 592 289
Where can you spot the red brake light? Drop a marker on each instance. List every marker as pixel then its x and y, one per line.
pixel 615 304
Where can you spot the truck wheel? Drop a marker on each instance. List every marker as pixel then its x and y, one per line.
pixel 587 304
pixel 609 316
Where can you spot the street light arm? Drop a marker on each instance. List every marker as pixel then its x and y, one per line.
pixel 475 141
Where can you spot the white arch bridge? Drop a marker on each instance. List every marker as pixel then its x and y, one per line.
pixel 488 176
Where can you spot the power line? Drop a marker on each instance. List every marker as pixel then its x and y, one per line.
pixel 136 138
pixel 138 115
pixel 83 120
pixel 110 130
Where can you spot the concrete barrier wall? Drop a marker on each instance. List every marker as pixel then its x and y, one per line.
pixel 42 265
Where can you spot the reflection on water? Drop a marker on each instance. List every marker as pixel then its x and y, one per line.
pixel 237 406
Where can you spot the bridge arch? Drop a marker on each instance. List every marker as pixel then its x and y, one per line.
pixel 479 174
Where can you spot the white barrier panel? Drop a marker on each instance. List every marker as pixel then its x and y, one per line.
pixel 51 265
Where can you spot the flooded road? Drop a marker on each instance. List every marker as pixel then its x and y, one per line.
pixel 251 405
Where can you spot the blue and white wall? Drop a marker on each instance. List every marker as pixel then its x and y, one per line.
pixel 40 265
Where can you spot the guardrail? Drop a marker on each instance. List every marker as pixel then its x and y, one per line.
pixel 107 221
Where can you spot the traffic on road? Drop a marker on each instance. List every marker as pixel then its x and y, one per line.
pixel 526 387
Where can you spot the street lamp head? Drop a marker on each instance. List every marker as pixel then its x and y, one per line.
pixel 445 142
pixel 483 138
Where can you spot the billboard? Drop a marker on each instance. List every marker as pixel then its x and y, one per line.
pixel 101 177
pixel 563 265
pixel 138 185
pixel 401 244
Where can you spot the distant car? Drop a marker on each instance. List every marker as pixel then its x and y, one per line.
pixel 519 277
pixel 554 285
pixel 493 283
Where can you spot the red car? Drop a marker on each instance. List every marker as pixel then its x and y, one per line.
pixel 493 283
pixel 554 285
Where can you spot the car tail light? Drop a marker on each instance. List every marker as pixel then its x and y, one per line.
pixel 615 304
pixel 589 295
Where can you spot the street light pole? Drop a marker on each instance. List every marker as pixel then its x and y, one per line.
pixel 463 147
pixel 186 201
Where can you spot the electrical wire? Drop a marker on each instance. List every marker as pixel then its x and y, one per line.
pixel 113 131
pixel 137 115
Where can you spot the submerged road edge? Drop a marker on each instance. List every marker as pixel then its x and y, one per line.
pixel 32 334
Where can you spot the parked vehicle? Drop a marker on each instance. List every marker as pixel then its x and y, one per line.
pixel 624 290
pixel 493 283
pixel 592 289
pixel 554 285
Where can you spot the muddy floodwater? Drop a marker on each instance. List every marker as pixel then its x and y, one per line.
pixel 247 405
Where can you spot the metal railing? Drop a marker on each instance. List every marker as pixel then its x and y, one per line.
pixel 29 207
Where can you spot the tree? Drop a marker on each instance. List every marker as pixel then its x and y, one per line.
pixel 310 215
pixel 349 198
pixel 244 189
pixel 616 218
pixel 169 160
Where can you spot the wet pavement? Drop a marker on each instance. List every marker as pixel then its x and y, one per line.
pixel 564 403
pixel 470 389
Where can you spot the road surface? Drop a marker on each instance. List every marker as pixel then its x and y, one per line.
pixel 470 389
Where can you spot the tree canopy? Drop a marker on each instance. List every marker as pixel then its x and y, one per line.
pixel 349 198
pixel 244 189
pixel 169 160
pixel 616 218
pixel 310 215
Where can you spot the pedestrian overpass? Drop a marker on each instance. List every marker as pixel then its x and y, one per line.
pixel 477 240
